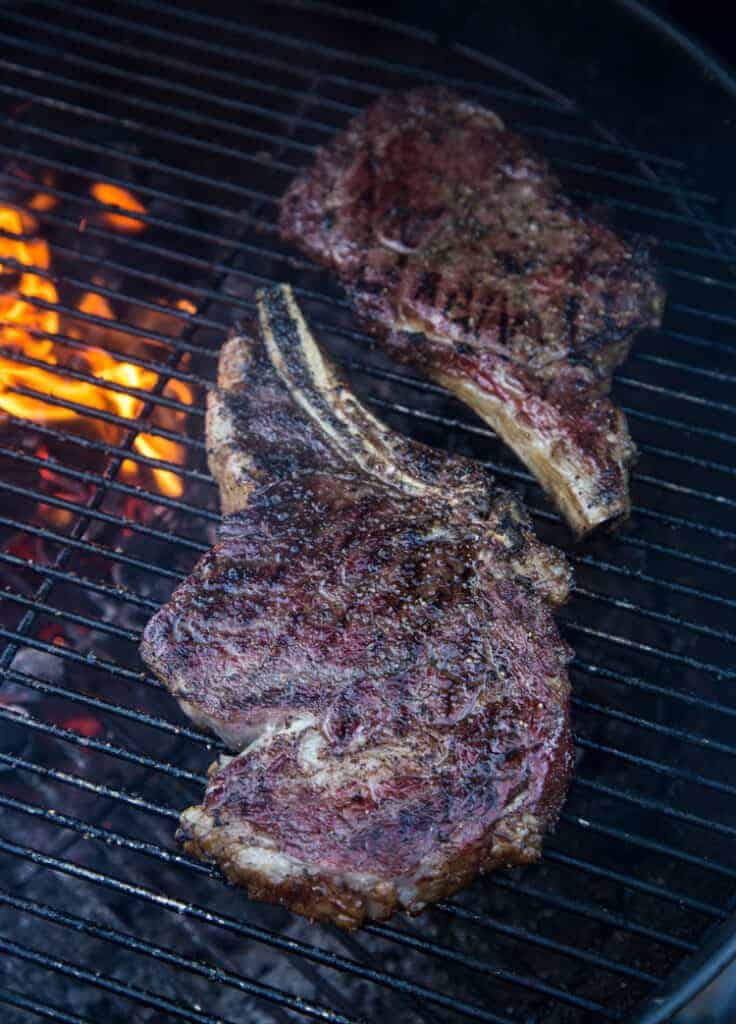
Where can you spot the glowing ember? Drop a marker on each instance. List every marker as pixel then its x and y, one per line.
pixel 42 202
pixel 25 342
pixel 85 725
pixel 112 195
pixel 62 488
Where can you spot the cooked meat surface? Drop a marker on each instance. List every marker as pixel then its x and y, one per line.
pixel 460 253
pixel 373 633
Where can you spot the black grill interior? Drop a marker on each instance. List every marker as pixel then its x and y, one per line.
pixel 204 120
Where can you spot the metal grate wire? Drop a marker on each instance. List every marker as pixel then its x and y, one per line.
pixel 652 715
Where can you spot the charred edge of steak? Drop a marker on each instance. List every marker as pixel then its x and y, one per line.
pixel 310 891
pixel 252 861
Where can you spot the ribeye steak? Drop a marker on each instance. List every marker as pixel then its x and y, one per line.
pixel 461 254
pixel 373 633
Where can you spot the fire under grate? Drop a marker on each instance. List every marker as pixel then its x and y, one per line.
pixel 142 157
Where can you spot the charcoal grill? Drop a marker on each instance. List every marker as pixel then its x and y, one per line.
pixel 203 121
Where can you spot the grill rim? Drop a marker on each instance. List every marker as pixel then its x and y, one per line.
pixel 695 974
pixel 718 949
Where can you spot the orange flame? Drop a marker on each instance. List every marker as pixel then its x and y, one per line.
pixel 113 195
pixel 24 331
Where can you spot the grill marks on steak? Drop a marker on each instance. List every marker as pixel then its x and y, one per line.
pixel 373 632
pixel 461 254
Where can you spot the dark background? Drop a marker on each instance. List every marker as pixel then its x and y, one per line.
pixel 705 19
pixel 624 74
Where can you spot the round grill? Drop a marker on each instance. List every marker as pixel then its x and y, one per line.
pixel 146 151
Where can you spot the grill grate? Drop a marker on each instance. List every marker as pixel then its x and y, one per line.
pixel 206 124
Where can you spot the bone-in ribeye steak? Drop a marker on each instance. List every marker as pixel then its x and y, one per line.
pixel 373 632
pixel 460 253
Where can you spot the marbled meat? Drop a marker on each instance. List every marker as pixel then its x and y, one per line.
pixel 373 634
pixel 461 254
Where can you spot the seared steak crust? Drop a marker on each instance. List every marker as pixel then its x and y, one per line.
pixel 461 254
pixel 376 623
